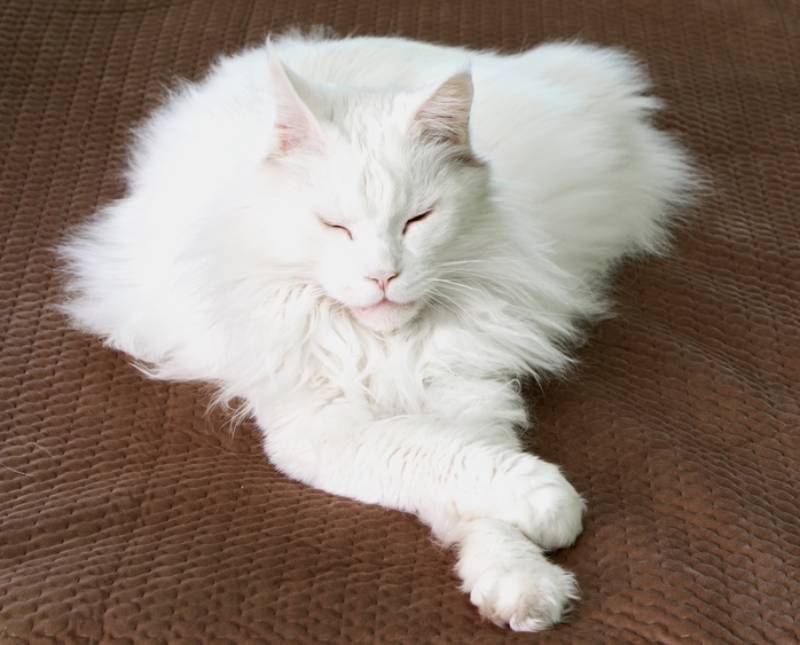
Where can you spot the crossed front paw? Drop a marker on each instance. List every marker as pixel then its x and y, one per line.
pixel 509 580
pixel 533 496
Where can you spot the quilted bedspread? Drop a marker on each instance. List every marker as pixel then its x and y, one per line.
pixel 130 514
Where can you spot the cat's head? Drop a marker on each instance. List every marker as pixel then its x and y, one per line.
pixel 381 188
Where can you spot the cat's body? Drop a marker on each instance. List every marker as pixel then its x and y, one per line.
pixel 371 273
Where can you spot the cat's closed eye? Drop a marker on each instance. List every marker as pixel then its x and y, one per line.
pixel 336 226
pixel 416 218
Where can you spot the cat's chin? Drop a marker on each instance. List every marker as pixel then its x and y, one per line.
pixel 385 316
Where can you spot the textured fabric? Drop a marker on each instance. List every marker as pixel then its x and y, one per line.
pixel 127 513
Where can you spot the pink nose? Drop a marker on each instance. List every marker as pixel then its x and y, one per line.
pixel 382 279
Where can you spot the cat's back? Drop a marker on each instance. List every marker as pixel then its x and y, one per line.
pixel 386 63
pixel 401 64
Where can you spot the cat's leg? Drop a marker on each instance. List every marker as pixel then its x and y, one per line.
pixel 467 479
pixel 469 467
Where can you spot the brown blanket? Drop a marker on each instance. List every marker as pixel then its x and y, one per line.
pixel 128 514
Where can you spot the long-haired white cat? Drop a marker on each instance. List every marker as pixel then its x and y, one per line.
pixel 369 241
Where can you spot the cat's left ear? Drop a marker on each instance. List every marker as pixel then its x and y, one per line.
pixel 443 115
pixel 295 124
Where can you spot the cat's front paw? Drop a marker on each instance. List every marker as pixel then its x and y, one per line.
pixel 534 496
pixel 550 514
pixel 527 599
pixel 512 583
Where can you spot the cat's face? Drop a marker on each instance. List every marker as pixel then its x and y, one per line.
pixel 384 196
pixel 384 229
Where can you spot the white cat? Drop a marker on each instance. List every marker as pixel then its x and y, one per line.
pixel 369 241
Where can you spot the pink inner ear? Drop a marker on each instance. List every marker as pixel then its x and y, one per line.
pixel 289 137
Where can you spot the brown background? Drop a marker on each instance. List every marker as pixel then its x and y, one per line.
pixel 127 513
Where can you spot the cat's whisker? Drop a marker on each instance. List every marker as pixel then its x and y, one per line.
pixel 457 285
pixel 449 303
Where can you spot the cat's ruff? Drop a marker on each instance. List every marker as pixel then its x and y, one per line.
pixel 368 241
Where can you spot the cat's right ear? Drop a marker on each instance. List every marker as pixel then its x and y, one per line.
pixel 296 127
pixel 443 116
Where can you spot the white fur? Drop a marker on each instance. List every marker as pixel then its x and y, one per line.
pixel 216 267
